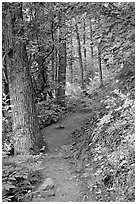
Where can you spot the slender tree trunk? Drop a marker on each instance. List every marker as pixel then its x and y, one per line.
pixel 71 59
pixel 99 62
pixel 5 82
pixel 56 40
pixel 35 87
pixel 91 38
pixel 52 64
pixel 42 76
pixel 84 42
pixel 5 90
pixel 80 56
pixel 56 65
pixel 26 131
pixel 56 73
pixel 62 65
pixel 62 74
pixel 42 80
pixel 53 54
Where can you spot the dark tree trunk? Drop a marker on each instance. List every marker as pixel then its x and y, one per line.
pixel 56 73
pixel 42 81
pixel 99 62
pixel 52 64
pixel 91 38
pixel 27 135
pixel 62 74
pixel 84 42
pixel 71 59
pixel 56 65
pixel 5 83
pixel 5 90
pixel 80 56
pixel 62 66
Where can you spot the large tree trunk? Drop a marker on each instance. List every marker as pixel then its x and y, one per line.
pixel 62 65
pixel 80 56
pixel 27 135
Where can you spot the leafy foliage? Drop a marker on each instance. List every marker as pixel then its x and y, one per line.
pixel 105 145
pixel 18 179
pixel 49 112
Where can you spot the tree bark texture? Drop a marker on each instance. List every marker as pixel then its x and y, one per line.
pixel 26 131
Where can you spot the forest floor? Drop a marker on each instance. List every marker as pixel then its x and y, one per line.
pixel 90 157
pixel 55 164
pixel 91 151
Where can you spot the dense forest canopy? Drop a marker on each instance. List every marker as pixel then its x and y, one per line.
pixel 83 28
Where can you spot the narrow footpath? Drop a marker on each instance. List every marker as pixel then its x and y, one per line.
pixel 65 186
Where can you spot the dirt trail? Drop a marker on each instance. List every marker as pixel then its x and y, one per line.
pixel 67 187
pixel 56 137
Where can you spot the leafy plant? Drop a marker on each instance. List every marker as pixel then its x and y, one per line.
pixel 17 182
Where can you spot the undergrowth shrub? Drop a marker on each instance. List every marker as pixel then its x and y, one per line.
pixel 106 146
pixel 18 180
pixel 50 112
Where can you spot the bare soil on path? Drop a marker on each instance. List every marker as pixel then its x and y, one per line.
pixel 57 134
pixel 66 185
